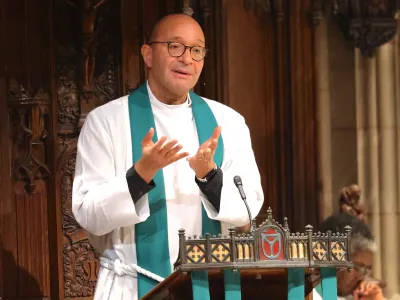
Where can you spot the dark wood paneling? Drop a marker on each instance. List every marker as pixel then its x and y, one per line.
pixel 8 242
pixel 305 178
pixel 3 133
pixel 271 174
pixel 247 78
pixel 282 109
pixel 132 73
pixel 54 205
pixel 25 80
pixel 207 13
pixel 273 88
pixel 15 50
pixel 33 249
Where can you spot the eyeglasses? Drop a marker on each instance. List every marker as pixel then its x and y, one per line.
pixel 364 270
pixel 176 49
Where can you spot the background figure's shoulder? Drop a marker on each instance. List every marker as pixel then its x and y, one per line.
pixel 224 112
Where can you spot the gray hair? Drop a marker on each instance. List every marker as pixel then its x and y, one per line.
pixel 358 243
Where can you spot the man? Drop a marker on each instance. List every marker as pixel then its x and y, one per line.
pixel 153 162
pixel 356 284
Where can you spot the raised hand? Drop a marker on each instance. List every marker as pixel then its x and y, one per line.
pixel 203 161
pixel 156 156
pixel 368 290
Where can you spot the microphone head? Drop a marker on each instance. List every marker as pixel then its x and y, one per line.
pixel 237 180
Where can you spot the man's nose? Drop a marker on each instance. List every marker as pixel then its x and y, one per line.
pixel 186 57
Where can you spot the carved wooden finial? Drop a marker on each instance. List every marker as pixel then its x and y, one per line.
pixel 269 213
pixel 366 24
pixel 285 224
pixel 186 9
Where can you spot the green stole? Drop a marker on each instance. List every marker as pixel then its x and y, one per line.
pixel 328 287
pixel 152 235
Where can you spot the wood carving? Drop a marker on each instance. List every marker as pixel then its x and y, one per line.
pixel 279 10
pixel 265 7
pixel 28 115
pixel 68 100
pixel 106 85
pixel 87 12
pixel 94 44
pixel 316 12
pixel 81 268
pixel 186 9
pixel 261 7
pixel 205 12
pixel 367 24
pixel 80 260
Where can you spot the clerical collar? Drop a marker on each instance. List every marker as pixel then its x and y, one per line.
pixel 158 104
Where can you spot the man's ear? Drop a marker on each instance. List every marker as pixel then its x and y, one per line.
pixel 147 55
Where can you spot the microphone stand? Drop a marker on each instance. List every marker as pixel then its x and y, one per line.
pixel 238 182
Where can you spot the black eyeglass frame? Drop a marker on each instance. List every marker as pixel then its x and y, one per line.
pixel 205 50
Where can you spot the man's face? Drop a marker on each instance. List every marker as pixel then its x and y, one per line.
pixel 347 281
pixel 176 75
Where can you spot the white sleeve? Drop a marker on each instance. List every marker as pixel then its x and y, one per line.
pixel 238 160
pixel 101 201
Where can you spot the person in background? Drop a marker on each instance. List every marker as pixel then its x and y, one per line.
pixel 357 284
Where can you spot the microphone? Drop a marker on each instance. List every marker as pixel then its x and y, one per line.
pixel 238 182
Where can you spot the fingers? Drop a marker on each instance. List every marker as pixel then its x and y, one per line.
pixel 159 144
pixel 167 147
pixel 367 289
pixel 213 145
pixel 207 154
pixel 203 154
pixel 179 156
pixel 148 138
pixel 171 152
pixel 212 142
pixel 200 154
pixel 216 133
pixel 173 155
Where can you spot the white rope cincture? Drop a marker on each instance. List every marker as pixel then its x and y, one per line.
pixel 121 269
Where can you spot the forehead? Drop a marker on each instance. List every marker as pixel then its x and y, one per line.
pixel 181 30
pixel 363 257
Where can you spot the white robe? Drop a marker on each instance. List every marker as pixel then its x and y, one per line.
pixel 101 201
pixel 317 296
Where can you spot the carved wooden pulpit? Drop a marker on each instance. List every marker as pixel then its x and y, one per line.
pixel 269 263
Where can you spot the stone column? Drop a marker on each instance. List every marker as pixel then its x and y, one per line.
pixel 367 143
pixel 388 165
pixel 397 88
pixel 377 151
pixel 324 117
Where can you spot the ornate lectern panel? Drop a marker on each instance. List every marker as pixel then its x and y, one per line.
pixel 272 246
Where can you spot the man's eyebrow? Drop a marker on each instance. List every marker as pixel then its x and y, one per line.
pixel 180 38
pixel 201 41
